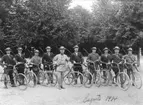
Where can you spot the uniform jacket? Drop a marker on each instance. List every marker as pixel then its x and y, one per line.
pixel 116 58
pixel 93 56
pixel 130 58
pixel 36 60
pixel 105 58
pixel 20 58
pixel 47 58
pixel 61 62
pixel 8 60
pixel 78 58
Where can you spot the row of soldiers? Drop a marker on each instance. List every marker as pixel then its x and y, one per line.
pixel 61 59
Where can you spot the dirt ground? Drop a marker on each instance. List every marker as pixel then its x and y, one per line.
pixel 41 95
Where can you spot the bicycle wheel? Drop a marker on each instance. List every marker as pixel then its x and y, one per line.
pixel 51 78
pixel 31 79
pixel 5 80
pixel 104 77
pixel 123 81
pixel 97 79
pixel 88 79
pixel 41 77
pixel 78 79
pixel 20 81
pixel 68 79
pixel 137 80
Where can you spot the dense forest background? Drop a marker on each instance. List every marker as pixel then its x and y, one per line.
pixel 39 23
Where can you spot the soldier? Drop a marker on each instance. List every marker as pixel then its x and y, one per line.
pixel 130 59
pixel 20 62
pixel 61 60
pixel 116 58
pixel 36 61
pixel 8 62
pixel 77 60
pixel 105 59
pixel 93 58
pixel 47 61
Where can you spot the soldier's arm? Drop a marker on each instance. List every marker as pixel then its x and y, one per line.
pixel 43 58
pixel 2 60
pixel 82 60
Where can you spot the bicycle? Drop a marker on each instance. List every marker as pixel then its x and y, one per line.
pixel 121 79
pixel 105 73
pixel 135 77
pixel 31 76
pixel 95 72
pixel 78 78
pixel 20 79
pixel 88 77
pixel 48 77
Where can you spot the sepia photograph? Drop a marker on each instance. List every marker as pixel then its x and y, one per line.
pixel 71 52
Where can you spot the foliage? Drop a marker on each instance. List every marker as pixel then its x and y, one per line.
pixel 40 23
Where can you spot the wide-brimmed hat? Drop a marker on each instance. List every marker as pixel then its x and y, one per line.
pixel 36 51
pixel 8 49
pixel 62 48
pixel 48 47
pixel 19 48
pixel 105 49
pixel 76 46
pixel 130 49
pixel 116 48
pixel 94 48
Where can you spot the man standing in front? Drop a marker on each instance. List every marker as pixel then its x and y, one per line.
pixel 61 60
pixel 8 62
pixel 77 60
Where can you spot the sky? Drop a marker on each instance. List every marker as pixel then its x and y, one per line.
pixel 84 3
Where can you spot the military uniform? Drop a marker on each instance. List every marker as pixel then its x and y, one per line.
pixel 77 58
pixel 116 58
pixel 105 58
pixel 20 67
pixel 9 61
pixel 47 61
pixel 61 62
pixel 130 58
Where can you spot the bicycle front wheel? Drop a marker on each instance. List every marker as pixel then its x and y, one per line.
pixel 88 79
pixel 31 79
pixel 104 77
pixel 21 81
pixel 97 79
pixel 137 80
pixel 123 81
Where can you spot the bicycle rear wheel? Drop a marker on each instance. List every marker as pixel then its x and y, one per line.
pixel 123 81
pixel 88 79
pixel 137 80
pixel 78 79
pixel 41 77
pixel 5 80
pixel 31 79
pixel 21 81
pixel 104 77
